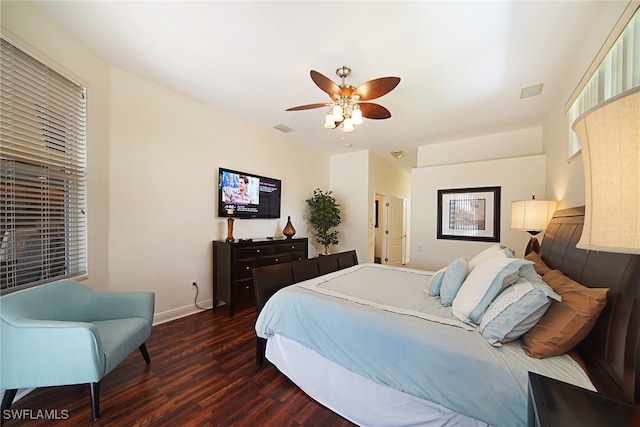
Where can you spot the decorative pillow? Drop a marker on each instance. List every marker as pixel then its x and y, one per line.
pixel 453 277
pixel 495 251
pixel 565 323
pixel 538 264
pixel 516 310
pixel 528 272
pixel 483 284
pixel 436 282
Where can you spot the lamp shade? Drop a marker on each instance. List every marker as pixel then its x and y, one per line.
pixel 531 215
pixel 610 139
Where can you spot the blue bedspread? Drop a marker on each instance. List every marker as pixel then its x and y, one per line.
pixel 378 321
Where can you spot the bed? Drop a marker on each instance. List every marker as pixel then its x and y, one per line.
pixel 397 356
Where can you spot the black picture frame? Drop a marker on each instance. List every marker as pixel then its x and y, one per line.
pixel 471 214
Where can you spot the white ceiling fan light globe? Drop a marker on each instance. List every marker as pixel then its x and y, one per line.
pixel 347 126
pixel 356 116
pixel 337 113
pixel 329 123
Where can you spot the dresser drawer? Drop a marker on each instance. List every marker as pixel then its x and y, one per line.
pixel 255 251
pixel 243 268
pixel 290 247
pixel 298 255
pixel 273 259
pixel 243 290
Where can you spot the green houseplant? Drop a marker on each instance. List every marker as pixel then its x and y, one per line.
pixel 324 217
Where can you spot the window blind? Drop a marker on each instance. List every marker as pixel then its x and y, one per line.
pixel 618 71
pixel 42 172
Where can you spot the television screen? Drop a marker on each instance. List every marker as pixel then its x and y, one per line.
pixel 244 195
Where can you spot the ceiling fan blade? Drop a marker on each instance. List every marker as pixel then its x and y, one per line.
pixel 374 111
pixel 324 83
pixel 376 88
pixel 307 107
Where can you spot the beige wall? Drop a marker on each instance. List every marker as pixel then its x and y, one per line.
pixel 152 167
pixel 518 177
pixel 387 179
pixel 349 175
pixel 355 180
pixel 164 157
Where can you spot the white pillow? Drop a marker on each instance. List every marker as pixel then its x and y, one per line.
pixel 483 284
pixel 436 282
pixel 453 277
pixel 516 310
pixel 495 251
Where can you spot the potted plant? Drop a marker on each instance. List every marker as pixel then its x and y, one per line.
pixel 324 217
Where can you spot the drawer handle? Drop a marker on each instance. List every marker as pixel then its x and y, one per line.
pixel 258 251
pixel 246 287
pixel 293 247
pixel 246 268
pixel 277 259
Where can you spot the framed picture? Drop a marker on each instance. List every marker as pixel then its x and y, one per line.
pixel 469 214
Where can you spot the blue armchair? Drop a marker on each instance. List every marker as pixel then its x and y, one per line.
pixel 65 333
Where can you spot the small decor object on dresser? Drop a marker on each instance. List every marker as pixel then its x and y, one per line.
pixel 289 231
pixel 230 230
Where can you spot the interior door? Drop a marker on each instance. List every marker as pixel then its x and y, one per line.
pixel 395 230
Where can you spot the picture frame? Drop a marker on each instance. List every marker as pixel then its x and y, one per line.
pixel 469 214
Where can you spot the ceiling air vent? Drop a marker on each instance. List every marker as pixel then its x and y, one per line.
pixel 528 92
pixel 283 128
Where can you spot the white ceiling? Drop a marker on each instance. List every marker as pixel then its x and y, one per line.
pixel 462 64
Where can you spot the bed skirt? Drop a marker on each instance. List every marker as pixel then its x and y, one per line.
pixel 354 397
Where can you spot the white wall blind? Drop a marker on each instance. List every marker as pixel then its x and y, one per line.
pixel 42 172
pixel 618 71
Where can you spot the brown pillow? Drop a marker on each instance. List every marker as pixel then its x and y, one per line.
pixel 539 266
pixel 565 323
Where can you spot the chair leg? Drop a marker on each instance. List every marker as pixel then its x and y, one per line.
pixel 95 400
pixel 145 353
pixel 261 346
pixel 7 399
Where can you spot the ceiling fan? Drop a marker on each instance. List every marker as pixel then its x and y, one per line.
pixel 347 108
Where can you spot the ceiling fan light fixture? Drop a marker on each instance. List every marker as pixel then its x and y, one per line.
pixel 356 115
pixel 397 154
pixel 346 108
pixel 338 113
pixel 347 125
pixel 329 123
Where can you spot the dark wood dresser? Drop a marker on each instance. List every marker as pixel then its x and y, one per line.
pixel 233 263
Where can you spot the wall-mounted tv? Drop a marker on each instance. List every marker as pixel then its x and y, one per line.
pixel 246 195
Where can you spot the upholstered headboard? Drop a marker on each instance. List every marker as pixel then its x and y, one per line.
pixel 611 351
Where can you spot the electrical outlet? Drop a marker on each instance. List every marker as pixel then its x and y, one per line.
pixel 194 284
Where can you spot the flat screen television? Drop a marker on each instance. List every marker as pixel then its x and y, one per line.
pixel 246 195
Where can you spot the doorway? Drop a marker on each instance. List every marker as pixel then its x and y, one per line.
pixel 390 230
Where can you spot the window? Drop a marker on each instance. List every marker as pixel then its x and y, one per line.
pixel 618 71
pixel 42 172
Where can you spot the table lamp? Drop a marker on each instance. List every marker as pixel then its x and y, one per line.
pixel 532 216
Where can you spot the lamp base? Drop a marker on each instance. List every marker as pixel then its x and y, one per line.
pixel 534 244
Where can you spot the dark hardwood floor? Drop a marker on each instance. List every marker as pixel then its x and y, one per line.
pixel 202 372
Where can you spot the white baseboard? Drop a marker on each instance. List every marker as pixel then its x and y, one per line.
pixel 177 313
